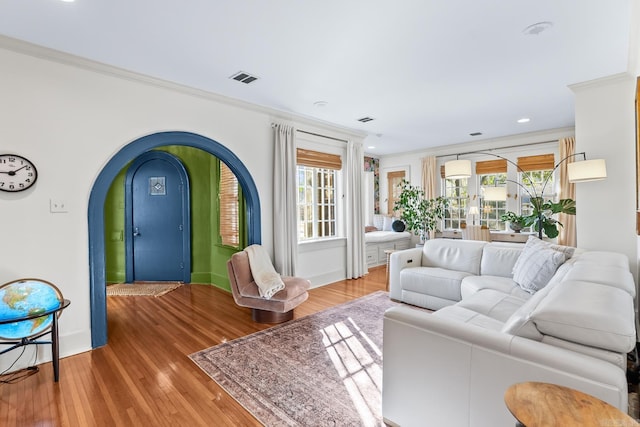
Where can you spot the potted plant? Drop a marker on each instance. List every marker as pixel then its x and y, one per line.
pixel 420 214
pixel 541 217
pixel 516 222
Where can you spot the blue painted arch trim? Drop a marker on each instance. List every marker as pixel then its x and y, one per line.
pixel 97 275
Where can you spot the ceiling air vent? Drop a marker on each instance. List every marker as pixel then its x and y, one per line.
pixel 475 134
pixel 243 77
pixel 365 119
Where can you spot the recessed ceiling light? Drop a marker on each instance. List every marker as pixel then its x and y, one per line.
pixel 68 1
pixel 371 147
pixel 524 120
pixel 537 28
pixel 320 104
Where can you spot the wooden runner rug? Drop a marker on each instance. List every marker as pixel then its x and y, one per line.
pixel 322 369
pixel 142 289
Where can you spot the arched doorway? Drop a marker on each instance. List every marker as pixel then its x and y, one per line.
pixel 97 200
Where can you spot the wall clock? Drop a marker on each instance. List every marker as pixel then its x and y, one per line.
pixel 16 173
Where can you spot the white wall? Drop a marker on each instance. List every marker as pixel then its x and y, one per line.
pixel 70 120
pixel 605 128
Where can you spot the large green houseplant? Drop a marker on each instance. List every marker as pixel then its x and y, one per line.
pixel 419 214
pixel 541 218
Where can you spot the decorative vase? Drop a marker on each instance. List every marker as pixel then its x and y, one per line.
pixel 515 227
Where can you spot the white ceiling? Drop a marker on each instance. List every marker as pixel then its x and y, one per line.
pixel 429 71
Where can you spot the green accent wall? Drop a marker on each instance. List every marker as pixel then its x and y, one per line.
pixel 208 256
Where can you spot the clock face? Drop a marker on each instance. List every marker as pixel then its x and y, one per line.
pixel 16 173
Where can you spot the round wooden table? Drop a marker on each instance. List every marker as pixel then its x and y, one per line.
pixel 536 404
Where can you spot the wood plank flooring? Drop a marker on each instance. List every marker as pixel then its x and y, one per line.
pixel 143 376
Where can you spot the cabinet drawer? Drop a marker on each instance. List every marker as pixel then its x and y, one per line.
pixel 402 245
pixel 372 256
pixel 382 257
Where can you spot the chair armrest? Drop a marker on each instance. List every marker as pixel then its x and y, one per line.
pixel 399 261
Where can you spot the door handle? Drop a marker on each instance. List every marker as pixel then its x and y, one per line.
pixel 136 232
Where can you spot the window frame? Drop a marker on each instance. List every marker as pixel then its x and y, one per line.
pixel 313 207
pixel 494 207
pixel 459 203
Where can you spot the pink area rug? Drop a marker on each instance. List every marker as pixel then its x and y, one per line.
pixel 323 369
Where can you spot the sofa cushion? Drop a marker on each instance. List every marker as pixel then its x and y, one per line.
pixel 457 255
pixel 493 304
pixel 472 284
pixel 461 314
pixel 588 313
pixel 499 259
pixel 520 322
pixel 536 265
pixel 435 281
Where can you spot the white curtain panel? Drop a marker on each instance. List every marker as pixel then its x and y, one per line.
pixel 285 233
pixel 568 233
pixel 356 257
pixel 430 177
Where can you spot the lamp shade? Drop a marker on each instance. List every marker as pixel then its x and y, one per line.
pixel 473 210
pixel 497 194
pixel 587 170
pixel 455 169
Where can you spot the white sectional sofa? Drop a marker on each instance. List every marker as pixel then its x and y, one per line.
pixel 489 331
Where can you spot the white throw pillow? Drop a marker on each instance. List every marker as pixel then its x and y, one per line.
pixel 537 264
pixel 388 223
pixel 378 221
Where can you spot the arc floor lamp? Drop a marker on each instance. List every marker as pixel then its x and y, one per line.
pixel 582 171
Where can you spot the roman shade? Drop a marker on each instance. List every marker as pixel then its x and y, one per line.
pixel 317 159
pixel 536 163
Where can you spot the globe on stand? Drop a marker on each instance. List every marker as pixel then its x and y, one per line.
pixel 27 298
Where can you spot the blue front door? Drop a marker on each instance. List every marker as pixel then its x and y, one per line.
pixel 157 218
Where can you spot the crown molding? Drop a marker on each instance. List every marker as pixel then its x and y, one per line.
pixel 603 81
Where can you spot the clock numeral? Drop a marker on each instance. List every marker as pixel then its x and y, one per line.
pixel 21 185
pixel 11 186
pixel 12 159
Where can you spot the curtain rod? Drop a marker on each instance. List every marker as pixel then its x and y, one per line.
pixel 494 149
pixel 273 125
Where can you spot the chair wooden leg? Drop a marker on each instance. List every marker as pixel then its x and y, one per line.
pixel 266 316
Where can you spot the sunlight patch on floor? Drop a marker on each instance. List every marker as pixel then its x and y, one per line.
pixel 362 377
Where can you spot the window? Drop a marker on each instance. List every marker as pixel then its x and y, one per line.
pixel 492 210
pixel 456 191
pixel 394 179
pixel 534 172
pixel 317 212
pixel 533 182
pixel 491 173
pixel 230 208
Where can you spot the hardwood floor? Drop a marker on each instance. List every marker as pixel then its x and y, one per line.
pixel 143 376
